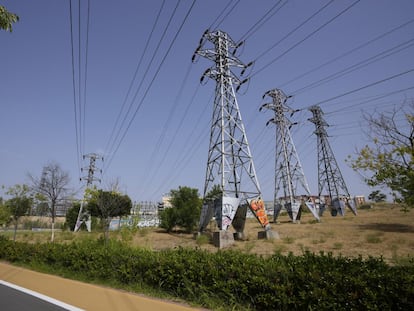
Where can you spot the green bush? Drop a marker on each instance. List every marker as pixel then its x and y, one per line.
pixel 230 279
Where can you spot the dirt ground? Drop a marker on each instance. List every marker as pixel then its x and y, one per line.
pixel 379 231
pixel 386 232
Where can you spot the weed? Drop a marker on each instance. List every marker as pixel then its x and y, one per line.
pixel 143 231
pixel 280 248
pixel 248 246
pixel 337 245
pixel 373 238
pixel 66 236
pixel 400 241
pixel 202 239
pixel 320 241
pixel 288 240
pixel 304 249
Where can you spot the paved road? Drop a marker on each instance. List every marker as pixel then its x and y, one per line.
pixel 81 295
pixel 17 299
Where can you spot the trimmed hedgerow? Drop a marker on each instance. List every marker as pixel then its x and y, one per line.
pixel 231 278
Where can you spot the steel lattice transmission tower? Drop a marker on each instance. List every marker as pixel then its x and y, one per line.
pixel 288 169
pixel 329 174
pixel 230 165
pixel 84 216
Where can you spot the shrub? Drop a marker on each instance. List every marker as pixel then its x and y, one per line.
pixel 202 239
pixel 230 279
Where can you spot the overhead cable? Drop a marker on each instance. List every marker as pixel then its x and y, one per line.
pixel 262 20
pixel 294 30
pixel 85 80
pixel 306 38
pixel 363 87
pixel 74 88
pixel 151 83
pixel 116 124
pixel 361 64
pixel 124 120
pixel 347 53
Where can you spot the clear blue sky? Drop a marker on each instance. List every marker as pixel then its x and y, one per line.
pixel 166 144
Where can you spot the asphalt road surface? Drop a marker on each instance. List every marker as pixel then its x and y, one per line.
pixel 72 295
pixel 20 299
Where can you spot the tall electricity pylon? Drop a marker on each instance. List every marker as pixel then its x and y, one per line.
pixel 82 215
pixel 329 174
pixel 230 170
pixel 288 170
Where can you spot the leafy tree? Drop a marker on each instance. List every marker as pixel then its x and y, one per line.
pixel 108 204
pixel 20 203
pixel 389 159
pixel 53 185
pixel 72 216
pixel 185 211
pixel 169 218
pixel 377 196
pixel 214 193
pixel 5 215
pixel 7 19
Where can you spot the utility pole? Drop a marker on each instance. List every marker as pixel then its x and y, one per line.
pixel 329 174
pixel 84 216
pixel 229 164
pixel 288 169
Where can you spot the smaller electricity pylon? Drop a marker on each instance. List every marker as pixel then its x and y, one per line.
pixel 83 216
pixel 230 173
pixel 329 174
pixel 288 169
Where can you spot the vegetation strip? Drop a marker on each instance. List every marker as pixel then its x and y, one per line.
pixel 230 278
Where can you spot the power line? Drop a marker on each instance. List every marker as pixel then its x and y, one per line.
pixel 365 86
pixel 348 52
pixel 294 30
pixel 227 14
pixel 190 148
pixel 151 82
pixel 262 20
pixel 80 78
pixel 73 86
pixel 86 78
pixel 143 79
pixel 306 37
pixel 164 131
pixel 136 73
pixel 389 52
pixel 373 99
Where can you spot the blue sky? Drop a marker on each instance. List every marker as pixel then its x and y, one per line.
pixel 163 140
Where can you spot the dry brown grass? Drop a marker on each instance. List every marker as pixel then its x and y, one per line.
pixel 381 231
pixel 376 232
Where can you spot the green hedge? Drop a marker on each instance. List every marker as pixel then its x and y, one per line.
pixel 232 279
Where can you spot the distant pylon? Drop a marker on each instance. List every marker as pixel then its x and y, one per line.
pixel 329 174
pixel 288 169
pixel 230 164
pixel 90 178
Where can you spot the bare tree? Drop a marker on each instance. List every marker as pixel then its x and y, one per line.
pixel 53 184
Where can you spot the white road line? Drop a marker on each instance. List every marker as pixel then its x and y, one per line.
pixel 41 296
